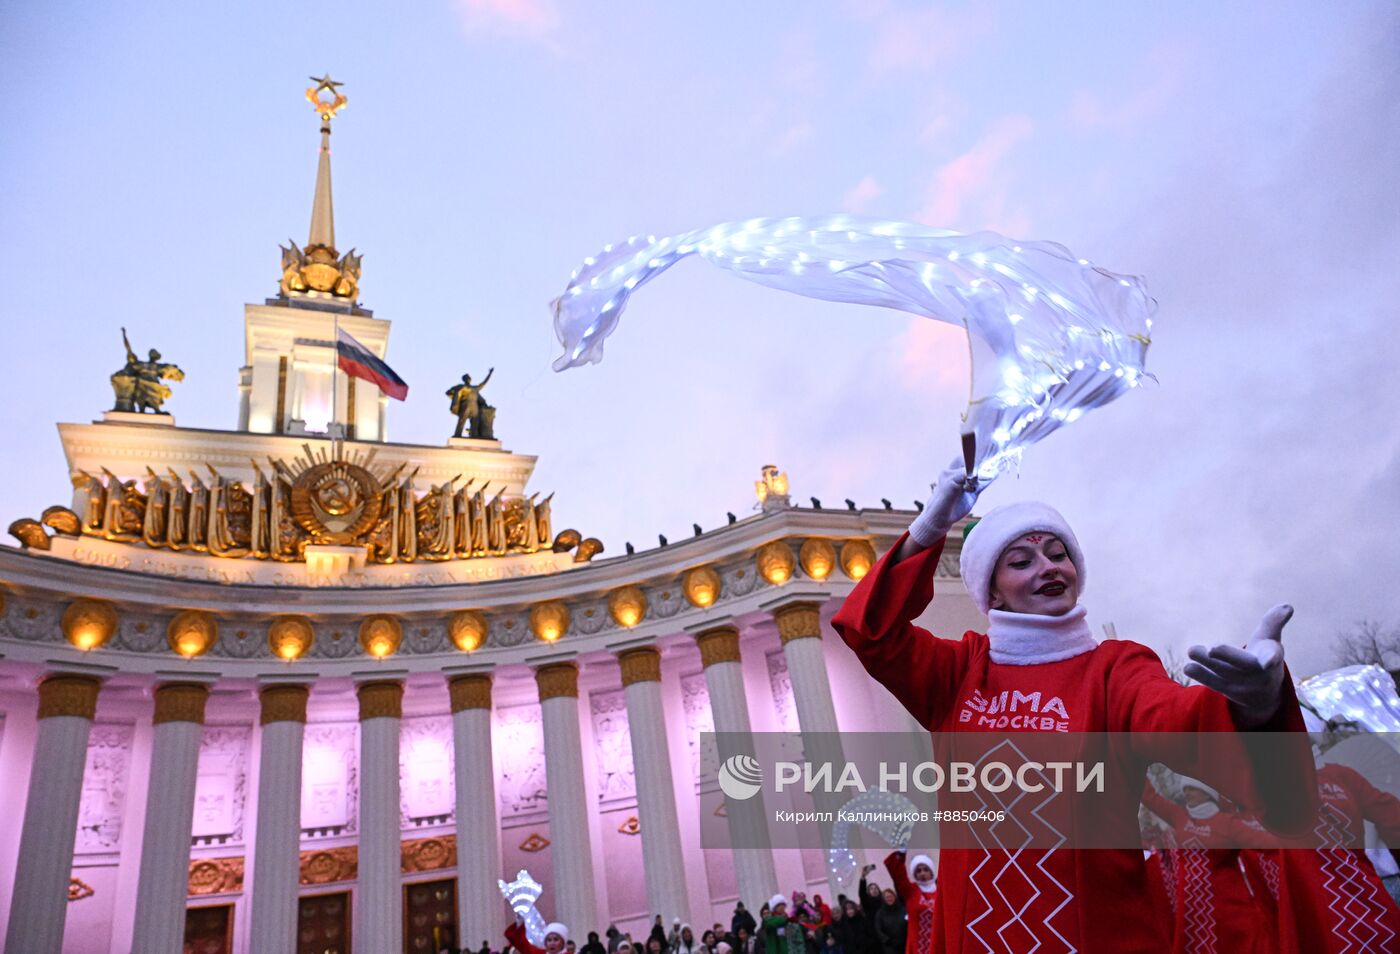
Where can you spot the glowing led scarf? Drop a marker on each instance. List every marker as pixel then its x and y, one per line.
pixel 1052 336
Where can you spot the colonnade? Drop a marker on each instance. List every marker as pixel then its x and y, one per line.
pixel 67 707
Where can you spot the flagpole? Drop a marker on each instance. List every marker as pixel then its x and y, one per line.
pixel 335 377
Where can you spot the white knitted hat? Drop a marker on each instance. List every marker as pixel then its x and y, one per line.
pixel 776 900
pixel 554 927
pixel 1189 782
pixel 1000 528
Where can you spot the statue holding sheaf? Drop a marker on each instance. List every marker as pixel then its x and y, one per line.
pixel 138 385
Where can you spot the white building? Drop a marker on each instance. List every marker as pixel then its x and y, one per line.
pixel 265 691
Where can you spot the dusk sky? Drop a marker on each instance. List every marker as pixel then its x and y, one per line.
pixel 1244 158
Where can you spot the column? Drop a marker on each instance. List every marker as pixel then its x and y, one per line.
pixel 575 902
pixel 798 616
pixel 729 705
pixel 799 628
pixel 379 901
pixel 479 906
pixel 67 705
pixel 277 843
pixel 663 862
pixel 165 847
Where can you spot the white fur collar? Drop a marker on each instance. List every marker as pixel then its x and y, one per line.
pixel 1027 639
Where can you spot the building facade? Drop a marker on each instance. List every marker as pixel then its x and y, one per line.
pixel 294 687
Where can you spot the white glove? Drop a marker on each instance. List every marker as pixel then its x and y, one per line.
pixel 1251 678
pixel 954 495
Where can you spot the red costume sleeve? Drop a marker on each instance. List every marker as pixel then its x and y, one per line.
pixel 1379 808
pixel 1181 726
pixel 1163 807
pixel 515 934
pixel 921 670
pixel 906 889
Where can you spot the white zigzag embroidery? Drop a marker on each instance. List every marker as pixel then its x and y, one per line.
pixel 1011 866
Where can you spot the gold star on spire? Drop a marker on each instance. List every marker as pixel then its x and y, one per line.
pixel 326 108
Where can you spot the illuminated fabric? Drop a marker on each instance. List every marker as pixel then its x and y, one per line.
pixel 1052 336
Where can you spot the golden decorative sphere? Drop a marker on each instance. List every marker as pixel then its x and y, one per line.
pixel 818 558
pixel 549 621
pixel 776 562
pixel 468 630
pixel 87 624
pixel 627 604
pixel 192 633
pixel 857 557
pixel 380 636
pixel 701 586
pixel 290 637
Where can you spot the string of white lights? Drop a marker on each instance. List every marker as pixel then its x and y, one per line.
pixel 1053 335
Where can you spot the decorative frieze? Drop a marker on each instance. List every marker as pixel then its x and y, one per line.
pixel 426 761
pixel 103 805
pixel 216 876
pixel 330 780
pixel 428 854
pixel 221 785
pixel 519 732
pixel 328 865
pixel 612 744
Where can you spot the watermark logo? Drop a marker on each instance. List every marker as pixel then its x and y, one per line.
pixel 740 777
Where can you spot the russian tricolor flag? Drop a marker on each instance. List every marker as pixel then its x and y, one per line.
pixel 359 362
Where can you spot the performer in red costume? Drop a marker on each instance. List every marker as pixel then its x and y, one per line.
pixel 1215 910
pixel 556 936
pixel 1331 901
pixel 915 885
pixel 1039 669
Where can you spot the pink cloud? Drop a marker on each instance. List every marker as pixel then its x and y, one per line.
pixel 922 39
pixel 971 190
pixel 532 19
pixel 931 359
pixel 1158 81
pixel 864 192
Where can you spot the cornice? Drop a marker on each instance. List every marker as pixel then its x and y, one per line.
pixel 39 587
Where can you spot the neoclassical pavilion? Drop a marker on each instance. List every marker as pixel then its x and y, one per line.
pixel 295 687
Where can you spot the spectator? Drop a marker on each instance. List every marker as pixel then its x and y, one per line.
pixel 614 939
pixel 594 946
pixel 742 919
pixel 781 933
pixel 891 928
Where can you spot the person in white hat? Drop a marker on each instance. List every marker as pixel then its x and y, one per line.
pixel 556 936
pixel 1038 669
pixel 917 887
pixel 780 931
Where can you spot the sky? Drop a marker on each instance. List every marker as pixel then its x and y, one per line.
pixel 1242 157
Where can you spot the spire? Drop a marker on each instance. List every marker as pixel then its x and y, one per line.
pixel 322 210
pixel 320 268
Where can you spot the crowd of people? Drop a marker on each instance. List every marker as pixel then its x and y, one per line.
pixel 875 921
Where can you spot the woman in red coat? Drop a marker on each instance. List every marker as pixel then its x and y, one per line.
pixel 1331 901
pixel 1039 669
pixel 1215 909
pixel 556 936
pixel 914 883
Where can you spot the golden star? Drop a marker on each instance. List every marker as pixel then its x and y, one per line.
pixel 325 82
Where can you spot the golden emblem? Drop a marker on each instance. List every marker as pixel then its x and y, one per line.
pixel 335 501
